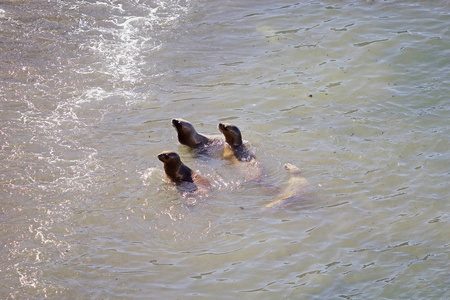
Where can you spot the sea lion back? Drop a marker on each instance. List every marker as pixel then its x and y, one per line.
pixel 297 187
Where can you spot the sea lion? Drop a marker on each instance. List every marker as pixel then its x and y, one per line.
pixel 179 173
pixel 296 188
pixel 188 136
pixel 237 152
pixel 233 138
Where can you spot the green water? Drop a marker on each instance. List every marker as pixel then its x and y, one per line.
pixel 355 93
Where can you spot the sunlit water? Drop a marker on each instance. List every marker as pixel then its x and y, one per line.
pixel 355 93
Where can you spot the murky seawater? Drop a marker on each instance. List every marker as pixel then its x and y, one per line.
pixel 355 93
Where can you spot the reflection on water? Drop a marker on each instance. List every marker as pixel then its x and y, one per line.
pixel 354 93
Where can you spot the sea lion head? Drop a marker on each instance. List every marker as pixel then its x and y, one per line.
pixel 184 128
pixel 174 167
pixel 232 134
pixel 169 157
pixel 187 135
pixel 294 170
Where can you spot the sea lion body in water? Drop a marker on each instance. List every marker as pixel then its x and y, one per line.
pixel 296 187
pixel 179 173
pixel 188 136
pixel 237 152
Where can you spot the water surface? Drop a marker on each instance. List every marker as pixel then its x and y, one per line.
pixel 355 93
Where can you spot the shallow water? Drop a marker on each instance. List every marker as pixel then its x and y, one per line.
pixel 355 93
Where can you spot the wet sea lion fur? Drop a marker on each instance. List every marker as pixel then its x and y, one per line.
pixel 178 172
pixel 296 188
pixel 188 136
pixel 237 152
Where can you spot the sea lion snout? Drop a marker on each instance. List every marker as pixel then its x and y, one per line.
pixel 222 127
pixel 162 157
pixel 176 123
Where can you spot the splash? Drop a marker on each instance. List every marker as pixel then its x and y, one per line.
pixel 128 34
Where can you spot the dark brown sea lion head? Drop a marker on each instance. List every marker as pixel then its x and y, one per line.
pixel 232 134
pixel 169 157
pixel 183 126
pixel 174 167
pixel 187 135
